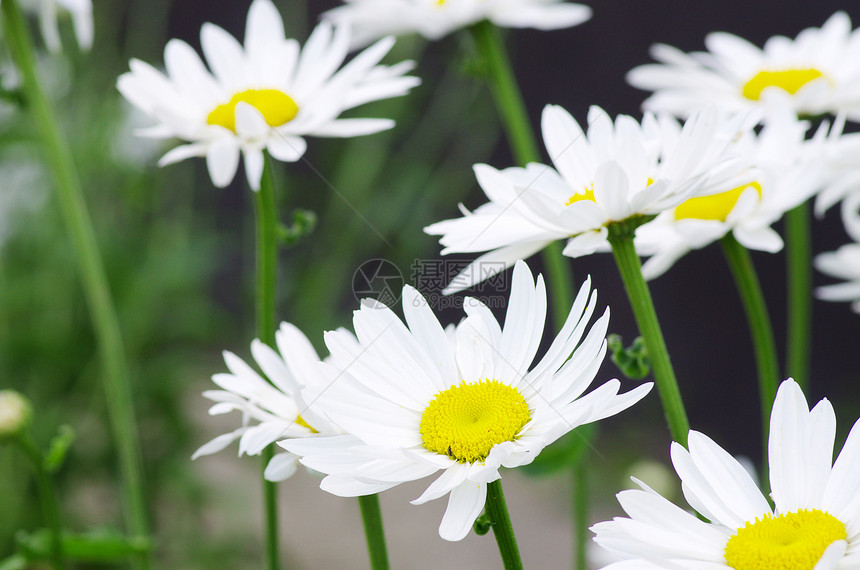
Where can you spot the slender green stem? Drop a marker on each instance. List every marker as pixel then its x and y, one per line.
pixel 266 282
pixel 761 330
pixel 497 510
pixel 524 148
pixel 91 269
pixel 48 498
pixel 580 514
pixel 371 516
pixel 798 245
pixel 621 240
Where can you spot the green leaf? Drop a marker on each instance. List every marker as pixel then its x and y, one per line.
pixel 58 448
pixel 632 361
pixel 102 545
pixel 304 222
pixel 563 453
pixel 483 524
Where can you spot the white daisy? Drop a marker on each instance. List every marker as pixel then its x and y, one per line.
pixel 271 410
pixel 416 401
pixel 373 19
pixel 81 12
pixel 265 95
pixel 790 170
pixel 819 69
pixel 844 263
pixel 814 525
pixel 615 171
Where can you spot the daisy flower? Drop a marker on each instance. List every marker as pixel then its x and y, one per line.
pixel 264 96
pixel 271 410
pixel 814 524
pixel 844 263
pixel 373 19
pixel 819 69
pixel 790 170
pixel 614 171
pixel 417 402
pixel 81 12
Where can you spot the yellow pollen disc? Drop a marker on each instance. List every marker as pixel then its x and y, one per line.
pixel 276 107
pixel 587 195
pixel 792 541
pixel 789 80
pixel 465 421
pixel 301 421
pixel 714 207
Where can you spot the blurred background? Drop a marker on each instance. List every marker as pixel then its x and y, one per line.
pixel 179 255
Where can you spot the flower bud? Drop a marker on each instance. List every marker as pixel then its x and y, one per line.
pixel 15 414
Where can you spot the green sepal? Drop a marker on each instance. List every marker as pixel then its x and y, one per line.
pixel 304 222
pixel 483 524
pixel 59 448
pixel 632 361
pixel 563 453
pixel 102 545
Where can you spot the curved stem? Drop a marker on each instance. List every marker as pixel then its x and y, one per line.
pixel 761 330
pixel 266 282
pixel 91 269
pixel 798 246
pixel 371 516
pixel 48 499
pixel 621 240
pixel 497 511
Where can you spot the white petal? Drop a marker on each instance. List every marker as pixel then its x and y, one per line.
pixel 222 160
pixel 464 505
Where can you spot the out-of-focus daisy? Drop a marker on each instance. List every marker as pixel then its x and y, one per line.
pixel 614 171
pixel 49 11
pixel 265 95
pixel 789 171
pixel 819 69
pixel 814 524
pixel 373 19
pixel 844 263
pixel 270 411
pixel 417 402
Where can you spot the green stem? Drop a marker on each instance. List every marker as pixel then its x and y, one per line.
pixel 48 499
pixel 91 269
pixel 524 148
pixel 371 516
pixel 267 260
pixel 761 330
pixel 798 244
pixel 497 511
pixel 621 240
pixel 580 514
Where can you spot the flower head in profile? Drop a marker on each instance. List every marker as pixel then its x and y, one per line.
pixel 373 19
pixel 844 263
pixel 817 72
pixel 264 96
pixel 417 401
pixel 789 169
pixel 271 410
pixel 813 525
pixel 611 172
pixel 49 11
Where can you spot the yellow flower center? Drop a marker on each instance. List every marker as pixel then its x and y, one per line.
pixel 792 541
pixel 276 107
pixel 465 421
pixel 301 421
pixel 587 195
pixel 714 207
pixel 789 80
